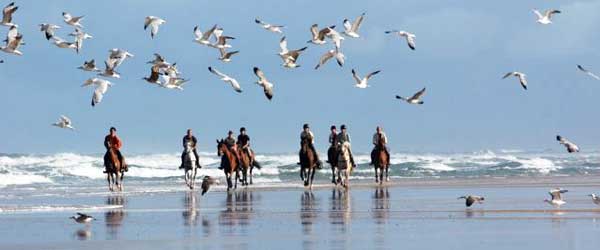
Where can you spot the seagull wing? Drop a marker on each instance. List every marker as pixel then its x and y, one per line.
pixel 538 14
pixel 347 25
pixel 410 40
pixel 206 35
pixel 268 89
pixel 259 73
pixel 522 80
pixel 324 58
pixel 356 77
pixel 372 74
pixel 283 45
pixel 314 30
pixel 418 95
pixel 216 72
pixel 356 24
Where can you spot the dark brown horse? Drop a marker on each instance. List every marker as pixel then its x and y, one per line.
pixel 245 167
pixel 229 162
pixel 114 170
pixel 308 164
pixel 332 159
pixel 380 162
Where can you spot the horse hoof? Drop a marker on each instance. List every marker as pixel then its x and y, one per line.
pixel 387 179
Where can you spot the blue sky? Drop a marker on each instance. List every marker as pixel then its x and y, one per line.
pixel 463 49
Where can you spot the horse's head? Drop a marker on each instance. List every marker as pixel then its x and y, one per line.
pixel 220 147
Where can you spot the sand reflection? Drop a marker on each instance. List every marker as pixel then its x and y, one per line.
pixel 340 212
pixel 190 213
pixel 308 211
pixel 114 217
pixel 381 205
pixel 238 208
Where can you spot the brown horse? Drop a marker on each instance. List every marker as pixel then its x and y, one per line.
pixel 246 167
pixel 114 170
pixel 308 164
pixel 332 159
pixel 380 162
pixel 229 162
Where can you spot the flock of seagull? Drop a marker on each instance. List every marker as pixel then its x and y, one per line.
pixel 555 200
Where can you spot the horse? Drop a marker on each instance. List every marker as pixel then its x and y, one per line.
pixel 344 165
pixel 308 164
pixel 245 167
pixel 380 162
pixel 114 170
pixel 189 165
pixel 332 159
pixel 229 162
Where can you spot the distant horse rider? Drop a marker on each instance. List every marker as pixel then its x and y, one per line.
pixel 342 137
pixel 309 137
pixel 333 136
pixel 113 141
pixel 243 143
pixel 232 146
pixel 190 138
pixel 380 138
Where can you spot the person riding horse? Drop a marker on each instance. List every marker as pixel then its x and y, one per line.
pixel 333 136
pixel 231 145
pixel 343 137
pixel 379 138
pixel 243 143
pixel 309 137
pixel 112 141
pixel 191 139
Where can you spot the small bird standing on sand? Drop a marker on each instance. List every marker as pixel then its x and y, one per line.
pixel 521 77
pixel 415 99
pixel 595 199
pixel 545 18
pixel 571 147
pixel 83 218
pixel 471 199
pixel 556 200
pixel 206 182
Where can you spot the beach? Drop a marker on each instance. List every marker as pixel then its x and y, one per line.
pixel 413 214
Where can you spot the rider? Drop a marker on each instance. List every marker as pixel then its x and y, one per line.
pixel 243 142
pixel 333 136
pixel 231 145
pixel 342 137
pixel 308 135
pixel 190 138
pixel 379 137
pixel 113 141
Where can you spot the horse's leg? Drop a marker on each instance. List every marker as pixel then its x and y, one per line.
pixel 387 177
pixel 117 180
pixel 347 179
pixel 312 176
pixel 194 177
pixel 121 185
pixel 109 183
pixel 251 168
pixel 228 177
pixel 376 176
pixel 332 173
pixel 237 176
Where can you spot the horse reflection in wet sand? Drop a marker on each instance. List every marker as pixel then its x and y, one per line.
pixel 238 208
pixel 114 217
pixel 341 211
pixel 308 211
pixel 381 205
pixel 190 214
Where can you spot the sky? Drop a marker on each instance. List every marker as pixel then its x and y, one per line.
pixel 463 50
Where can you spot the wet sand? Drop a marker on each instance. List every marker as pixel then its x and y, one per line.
pixel 413 214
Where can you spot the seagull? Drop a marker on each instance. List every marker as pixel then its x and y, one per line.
pixel 13 41
pixel 335 37
pixel 318 36
pixel 339 57
pixel 48 29
pixel 264 82
pixel 415 99
pixel 557 200
pixel 588 72
pixel 226 56
pixel 71 20
pixel 7 13
pixel 83 218
pixel 79 37
pixel 59 42
pixel 222 42
pixel 64 122
pixel 363 82
pixel 289 57
pixel 109 69
pixel 203 38
pixel 234 83
pixel 153 22
pixel 351 29
pixel 595 199
pixel 154 74
pixel 101 88
pixel 174 82
pixel 410 38
pixel 118 55
pixel 206 182
pixel 89 66
pixel 158 59
pixel 471 199
pixel 521 77
pixel 545 19
pixel 270 27
pixel 571 147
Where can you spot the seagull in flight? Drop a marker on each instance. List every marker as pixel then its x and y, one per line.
pixel 335 37
pixel 415 99
pixel 226 56
pixel 207 181
pixel 79 37
pixel 289 57
pixel 59 42
pixel 48 29
pixel 556 200
pixel 270 27
pixel 64 122
pixel 203 38
pixel 72 20
pixel 13 41
pixel 155 72
pixel 89 66
pixel 222 42
pixel 109 69
pixel 173 82
pixel 588 72
pixel 595 199
pixel 318 36
pixel 153 22
pixel 351 29
pixel 118 56
pixel 7 13
pixel 339 57
pixel 101 88
pixel 571 147
pixel 410 38
pixel 234 83
pixel 363 82
pixel 545 18
pixel 471 199
pixel 264 82
pixel 83 218
pixel 521 77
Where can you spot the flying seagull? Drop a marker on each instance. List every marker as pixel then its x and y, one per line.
pixel 173 82
pixel 153 22
pixel 154 77
pixel 71 20
pixel 410 38
pixel 203 38
pixel 588 72
pixel 89 66
pixel 64 122
pixel 289 57
pixel 595 199
pixel 101 88
pixel 109 69
pixel 521 77
pixel 571 147
pixel 59 42
pixel 269 27
pixel 335 37
pixel 7 13
pixel 415 99
pixel 226 56
pixel 339 57
pixel 206 182
pixel 363 82
pixel 318 36
pixel 351 29
pixel 48 29
pixel 471 199
pixel 118 56
pixel 556 200
pixel 13 41
pixel 80 35
pixel 234 83
pixel 83 218
pixel 222 42
pixel 158 59
pixel 264 82
pixel 545 19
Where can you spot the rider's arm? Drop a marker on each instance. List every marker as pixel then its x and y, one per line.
pixel 375 138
